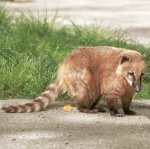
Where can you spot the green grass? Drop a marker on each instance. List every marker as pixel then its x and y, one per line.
pixel 30 51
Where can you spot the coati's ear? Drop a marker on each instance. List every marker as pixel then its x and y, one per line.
pixel 124 58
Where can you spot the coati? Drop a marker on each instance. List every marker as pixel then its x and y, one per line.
pixel 90 73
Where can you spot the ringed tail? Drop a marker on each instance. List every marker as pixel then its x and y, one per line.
pixel 39 104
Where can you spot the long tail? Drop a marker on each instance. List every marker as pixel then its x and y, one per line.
pixel 39 104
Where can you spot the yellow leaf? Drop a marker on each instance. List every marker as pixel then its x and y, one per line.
pixel 68 108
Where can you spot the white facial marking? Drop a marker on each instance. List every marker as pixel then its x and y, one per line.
pixel 130 79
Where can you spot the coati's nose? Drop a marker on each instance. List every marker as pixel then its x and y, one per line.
pixel 137 88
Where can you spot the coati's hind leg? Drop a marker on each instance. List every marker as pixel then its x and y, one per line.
pixel 113 107
pixel 99 107
pixel 126 101
pixel 88 105
pixel 82 85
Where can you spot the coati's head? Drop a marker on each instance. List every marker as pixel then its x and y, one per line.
pixel 132 67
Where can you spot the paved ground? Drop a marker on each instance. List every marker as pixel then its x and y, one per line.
pixel 131 16
pixel 57 129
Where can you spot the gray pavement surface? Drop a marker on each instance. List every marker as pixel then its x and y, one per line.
pixel 58 129
pixel 130 16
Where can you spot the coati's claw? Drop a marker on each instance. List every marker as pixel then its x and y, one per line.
pixel 119 115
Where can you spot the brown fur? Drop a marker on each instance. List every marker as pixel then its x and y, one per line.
pixel 92 72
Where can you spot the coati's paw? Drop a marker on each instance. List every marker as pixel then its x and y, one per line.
pixel 130 112
pixel 93 110
pixel 86 110
pixel 116 114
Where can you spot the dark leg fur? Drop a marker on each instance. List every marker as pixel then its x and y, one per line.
pixel 98 107
pixel 86 110
pixel 130 112
pixel 113 107
pixel 88 105
pixel 126 101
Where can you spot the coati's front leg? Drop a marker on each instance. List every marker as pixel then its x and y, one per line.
pixel 126 101
pixel 113 107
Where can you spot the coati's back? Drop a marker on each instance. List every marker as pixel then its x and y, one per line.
pixel 89 57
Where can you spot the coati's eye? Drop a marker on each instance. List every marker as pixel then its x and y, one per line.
pixel 131 73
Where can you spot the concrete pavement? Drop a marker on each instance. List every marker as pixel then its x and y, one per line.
pixel 58 129
pixel 130 16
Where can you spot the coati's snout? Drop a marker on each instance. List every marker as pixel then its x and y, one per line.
pixel 135 82
pixel 132 67
pixel 137 85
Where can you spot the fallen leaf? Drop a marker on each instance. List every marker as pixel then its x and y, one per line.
pixel 68 108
